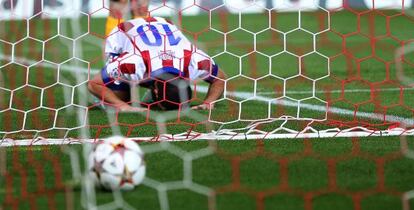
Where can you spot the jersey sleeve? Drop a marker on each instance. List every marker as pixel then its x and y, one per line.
pixel 127 67
pixel 202 67
pixel 115 42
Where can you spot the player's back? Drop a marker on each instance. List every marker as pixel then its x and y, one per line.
pixel 158 41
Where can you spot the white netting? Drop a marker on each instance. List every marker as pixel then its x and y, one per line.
pixel 272 92
pixel 295 89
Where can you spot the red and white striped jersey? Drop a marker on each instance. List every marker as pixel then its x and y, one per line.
pixel 152 45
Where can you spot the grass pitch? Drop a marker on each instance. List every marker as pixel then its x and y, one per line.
pixel 277 174
pixel 369 173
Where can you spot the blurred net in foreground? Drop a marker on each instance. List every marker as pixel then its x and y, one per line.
pixel 298 70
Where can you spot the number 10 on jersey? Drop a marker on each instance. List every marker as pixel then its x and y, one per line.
pixel 157 36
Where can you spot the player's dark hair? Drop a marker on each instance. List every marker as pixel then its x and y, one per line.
pixel 171 92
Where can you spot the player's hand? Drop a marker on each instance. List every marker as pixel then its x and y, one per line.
pixel 205 106
pixel 128 108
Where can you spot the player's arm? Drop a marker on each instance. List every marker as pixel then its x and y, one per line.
pixel 215 91
pixel 203 67
pixel 97 87
pixel 216 88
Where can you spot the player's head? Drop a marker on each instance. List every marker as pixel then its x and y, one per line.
pixel 171 92
pixel 139 8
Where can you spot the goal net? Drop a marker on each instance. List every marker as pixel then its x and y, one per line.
pixel 295 69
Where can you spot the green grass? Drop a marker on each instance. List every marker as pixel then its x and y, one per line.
pixel 286 171
pixel 290 174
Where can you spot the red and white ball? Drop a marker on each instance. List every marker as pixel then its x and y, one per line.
pixel 117 163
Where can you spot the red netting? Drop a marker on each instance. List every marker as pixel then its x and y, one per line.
pixel 330 72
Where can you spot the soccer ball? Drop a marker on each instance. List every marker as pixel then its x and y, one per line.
pixel 117 163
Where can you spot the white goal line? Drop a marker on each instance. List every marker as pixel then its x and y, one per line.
pixel 362 90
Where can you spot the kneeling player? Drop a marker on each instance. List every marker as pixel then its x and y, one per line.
pixel 155 54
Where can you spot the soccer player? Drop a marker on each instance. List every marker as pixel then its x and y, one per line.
pixel 153 53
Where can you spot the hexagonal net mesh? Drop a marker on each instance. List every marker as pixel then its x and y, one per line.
pixel 294 69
